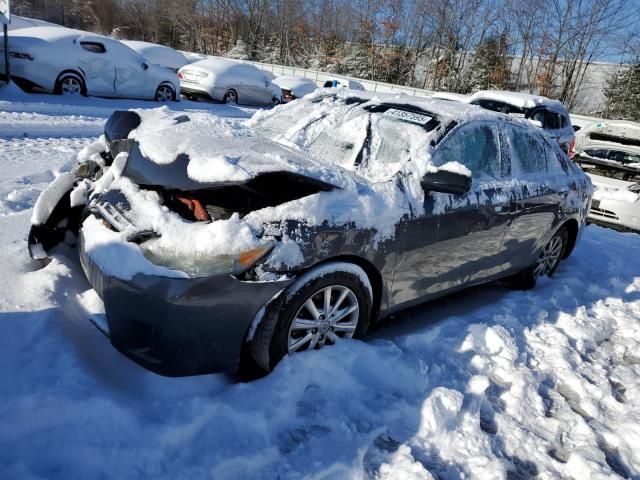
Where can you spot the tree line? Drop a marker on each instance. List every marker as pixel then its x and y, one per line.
pixel 541 46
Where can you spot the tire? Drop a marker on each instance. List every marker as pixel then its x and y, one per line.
pixel 344 286
pixel 165 93
pixel 546 264
pixel 231 96
pixel 71 84
pixel 275 102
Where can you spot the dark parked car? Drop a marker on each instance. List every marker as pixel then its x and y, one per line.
pixel 305 224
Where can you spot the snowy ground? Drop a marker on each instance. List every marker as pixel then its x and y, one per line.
pixel 488 383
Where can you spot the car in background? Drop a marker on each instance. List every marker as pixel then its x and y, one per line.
pixel 158 54
pixel 216 239
pixel 343 83
pixel 609 152
pixel 294 87
pixel 18 22
pixel 64 61
pixel 542 112
pixel 228 81
pixel 450 96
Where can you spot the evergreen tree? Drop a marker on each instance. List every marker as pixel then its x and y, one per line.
pixel 623 94
pixel 240 51
pixel 490 69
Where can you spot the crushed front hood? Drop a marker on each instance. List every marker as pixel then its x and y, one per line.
pixel 200 151
pixel 232 161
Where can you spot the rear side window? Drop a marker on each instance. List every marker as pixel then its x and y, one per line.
pixel 527 151
pixel 93 47
pixel 551 121
pixel 476 147
pixel 496 106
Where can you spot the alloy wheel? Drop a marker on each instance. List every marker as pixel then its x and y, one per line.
pixel 328 314
pixel 549 257
pixel 231 97
pixel 164 94
pixel 71 86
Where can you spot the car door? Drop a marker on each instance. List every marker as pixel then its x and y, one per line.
pixel 132 78
pixel 457 239
pixel 536 202
pixel 96 61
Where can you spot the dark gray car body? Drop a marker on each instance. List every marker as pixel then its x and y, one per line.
pixel 184 326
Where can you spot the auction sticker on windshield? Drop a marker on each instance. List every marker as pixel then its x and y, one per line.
pixel 409 116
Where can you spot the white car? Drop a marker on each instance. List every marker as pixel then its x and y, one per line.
pixel 609 152
pixel 71 62
pixel 450 96
pixel 228 81
pixel 158 54
pixel 295 87
pixel 549 115
pixel 343 83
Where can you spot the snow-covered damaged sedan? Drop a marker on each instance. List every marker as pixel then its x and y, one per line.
pixel 212 239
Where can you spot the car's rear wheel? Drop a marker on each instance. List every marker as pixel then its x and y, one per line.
pixel 321 307
pixel 70 84
pixel 546 263
pixel 231 96
pixel 164 93
pixel 275 101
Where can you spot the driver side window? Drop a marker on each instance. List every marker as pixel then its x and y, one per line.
pixel 476 147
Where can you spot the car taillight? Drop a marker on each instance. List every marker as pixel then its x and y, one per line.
pixel 180 76
pixel 23 56
pixel 572 148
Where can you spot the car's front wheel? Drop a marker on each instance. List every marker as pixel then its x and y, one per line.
pixel 546 263
pixel 322 306
pixel 164 93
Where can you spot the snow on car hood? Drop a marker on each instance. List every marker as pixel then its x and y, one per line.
pixel 606 188
pixel 201 150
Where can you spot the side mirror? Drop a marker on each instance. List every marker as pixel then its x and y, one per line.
pixel 446 182
pixel 145 66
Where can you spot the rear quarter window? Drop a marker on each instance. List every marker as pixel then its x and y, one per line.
pixel 528 154
pixel 93 47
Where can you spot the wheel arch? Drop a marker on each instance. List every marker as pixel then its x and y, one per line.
pixel 573 228
pixel 79 73
pixel 375 278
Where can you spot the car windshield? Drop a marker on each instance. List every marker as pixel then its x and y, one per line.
pixel 620 156
pixel 371 140
pixel 598 162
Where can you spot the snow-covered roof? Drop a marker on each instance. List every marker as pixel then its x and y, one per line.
pixel 221 66
pixel 443 108
pixel 18 22
pixel 158 54
pixel 519 99
pixel 51 33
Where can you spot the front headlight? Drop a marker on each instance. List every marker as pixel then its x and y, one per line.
pixel 199 264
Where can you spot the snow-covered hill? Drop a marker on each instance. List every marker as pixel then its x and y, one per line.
pixel 489 383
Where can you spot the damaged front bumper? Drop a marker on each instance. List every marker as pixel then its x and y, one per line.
pixel 179 326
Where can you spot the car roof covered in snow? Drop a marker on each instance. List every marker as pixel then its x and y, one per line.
pixel 53 33
pixel 443 108
pixel 218 66
pixel 519 99
pixel 158 54
pixel 291 81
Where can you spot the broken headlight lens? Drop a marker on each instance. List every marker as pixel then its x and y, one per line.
pixel 200 264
